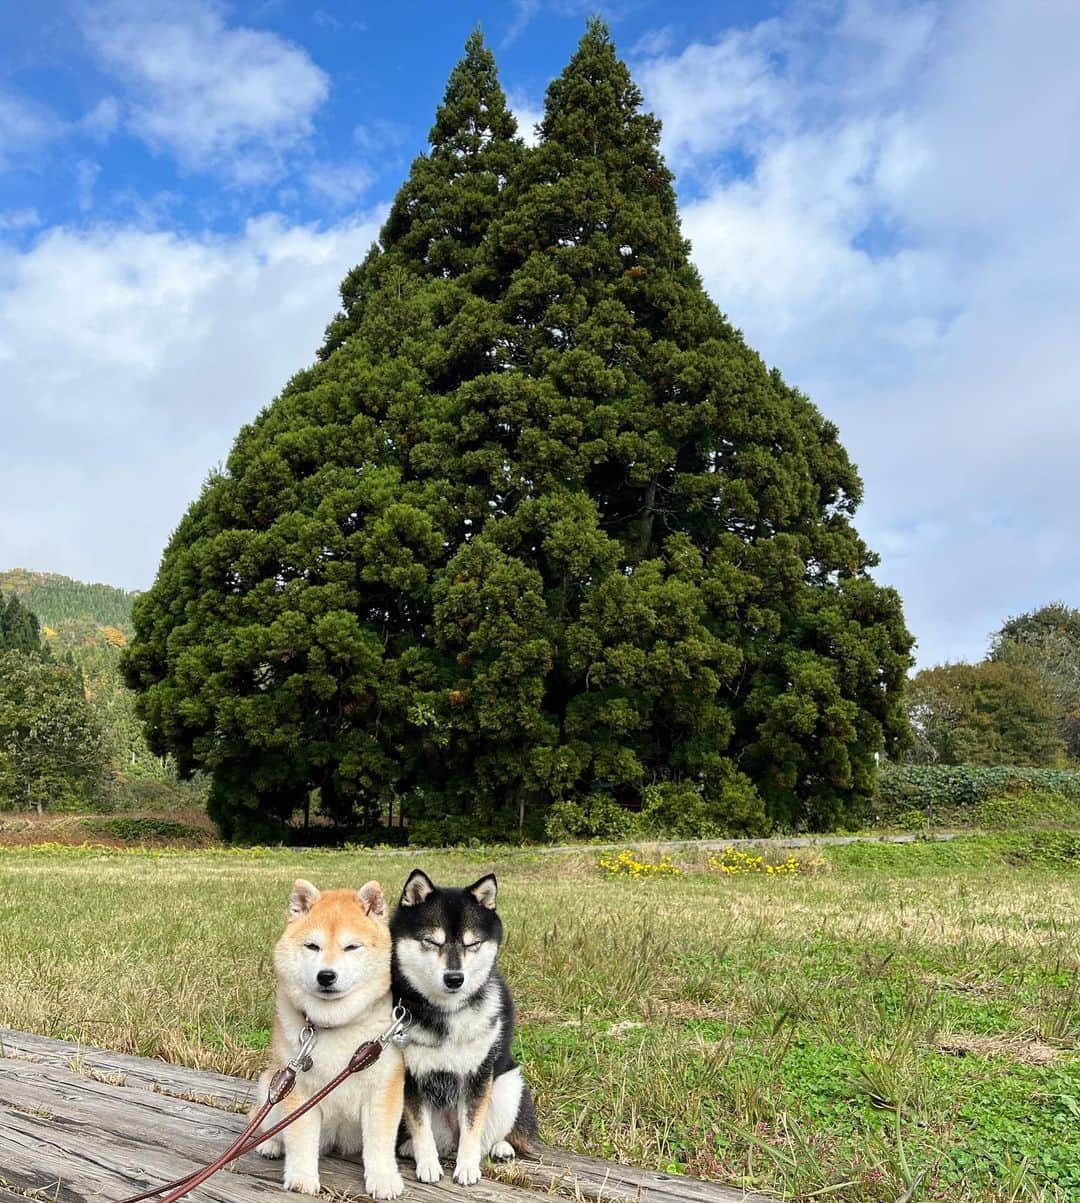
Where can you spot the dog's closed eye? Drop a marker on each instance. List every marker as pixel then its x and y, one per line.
pixel 312 945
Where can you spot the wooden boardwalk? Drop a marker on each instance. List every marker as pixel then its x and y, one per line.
pixel 80 1125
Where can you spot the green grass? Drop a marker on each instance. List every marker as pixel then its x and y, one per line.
pixel 909 1016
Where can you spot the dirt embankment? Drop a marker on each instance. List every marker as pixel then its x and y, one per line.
pixel 177 829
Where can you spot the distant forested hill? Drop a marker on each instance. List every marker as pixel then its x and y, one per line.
pixel 75 613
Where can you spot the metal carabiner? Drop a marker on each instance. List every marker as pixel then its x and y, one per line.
pixel 398 1031
pixel 302 1059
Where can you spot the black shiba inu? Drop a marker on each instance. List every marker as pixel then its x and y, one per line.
pixel 463 1090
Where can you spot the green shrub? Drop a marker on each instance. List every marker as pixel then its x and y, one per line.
pixel 594 816
pixel 671 810
pixel 123 792
pixel 136 830
pixel 319 836
pixel 450 831
pixel 1028 809
pixel 1060 849
pixel 682 810
pixel 677 810
pixel 948 794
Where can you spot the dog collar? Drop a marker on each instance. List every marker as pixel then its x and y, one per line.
pixel 396 1034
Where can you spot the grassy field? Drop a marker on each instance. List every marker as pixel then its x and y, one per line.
pixel 894 1017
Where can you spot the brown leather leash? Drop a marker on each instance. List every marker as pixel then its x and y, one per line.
pixel 281 1085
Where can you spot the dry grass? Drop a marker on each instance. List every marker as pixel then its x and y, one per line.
pixel 1028 1052
pixel 785 1033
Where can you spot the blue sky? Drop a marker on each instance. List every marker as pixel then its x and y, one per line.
pixel 199 114
pixel 882 195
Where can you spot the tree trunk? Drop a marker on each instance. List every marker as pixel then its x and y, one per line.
pixel 647 517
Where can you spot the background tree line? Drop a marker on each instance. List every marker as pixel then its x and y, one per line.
pixel 69 735
pixel 1020 705
pixel 52 748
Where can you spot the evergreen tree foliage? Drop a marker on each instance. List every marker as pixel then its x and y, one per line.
pixel 20 630
pixel 682 514
pixel 52 750
pixel 440 217
pixel 284 647
pixel 538 524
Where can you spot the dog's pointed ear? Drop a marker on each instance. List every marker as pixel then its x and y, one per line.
pixel 484 890
pixel 301 899
pixel 417 888
pixel 372 899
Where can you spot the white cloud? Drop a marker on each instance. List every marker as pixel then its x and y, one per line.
pixel 103 118
pixel 339 184
pixel 131 358
pixel 19 219
pixel 524 12
pixel 86 174
pixel 720 95
pixel 25 126
pixel 379 135
pixel 528 115
pixel 218 97
pixel 888 207
pixel 654 42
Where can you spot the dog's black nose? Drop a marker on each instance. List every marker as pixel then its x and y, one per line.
pixel 453 981
pixel 326 977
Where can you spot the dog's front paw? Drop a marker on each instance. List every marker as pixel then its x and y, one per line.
pixel 272 1148
pixel 467 1173
pixel 383 1184
pixel 304 1184
pixel 428 1169
pixel 501 1150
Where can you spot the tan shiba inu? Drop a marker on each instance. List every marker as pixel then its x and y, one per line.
pixel 332 969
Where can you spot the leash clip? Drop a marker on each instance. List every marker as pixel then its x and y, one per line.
pixel 302 1060
pixel 398 1031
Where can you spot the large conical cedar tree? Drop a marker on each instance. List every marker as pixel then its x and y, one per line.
pixel 537 525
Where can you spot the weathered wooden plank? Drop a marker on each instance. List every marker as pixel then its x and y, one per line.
pixel 592 1178
pixel 74 1162
pixel 189 1112
pixel 78 1138
pixel 213 1088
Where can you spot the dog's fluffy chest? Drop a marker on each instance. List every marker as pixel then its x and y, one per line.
pixel 470 1034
